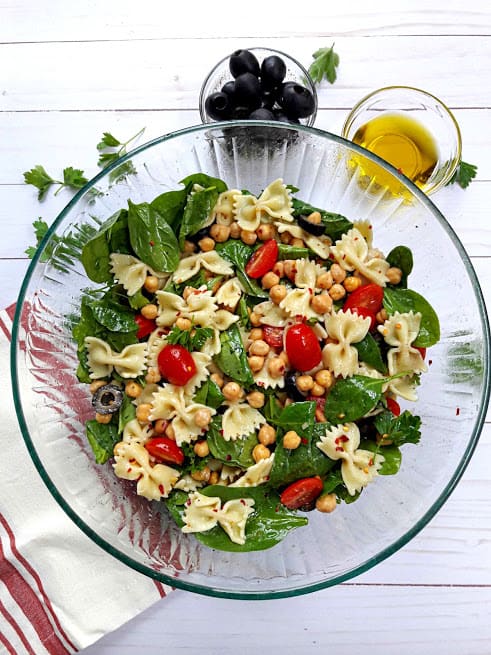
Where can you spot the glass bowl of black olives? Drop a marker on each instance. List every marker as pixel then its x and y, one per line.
pixel 258 84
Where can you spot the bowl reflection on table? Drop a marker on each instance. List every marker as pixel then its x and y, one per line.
pixel 52 406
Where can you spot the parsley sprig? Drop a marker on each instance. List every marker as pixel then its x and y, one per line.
pixel 112 149
pixel 324 65
pixel 399 429
pixel 73 178
pixel 192 339
pixel 464 174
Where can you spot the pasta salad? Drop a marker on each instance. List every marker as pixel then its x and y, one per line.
pixel 247 356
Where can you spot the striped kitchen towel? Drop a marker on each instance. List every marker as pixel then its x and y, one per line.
pixel 59 592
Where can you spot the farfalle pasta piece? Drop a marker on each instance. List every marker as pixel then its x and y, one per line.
pixel 132 462
pixel 233 518
pixel 211 261
pixel 101 359
pixel 131 272
pixel 223 211
pixel 359 467
pixel 202 513
pixel 264 379
pixel 156 341
pixel 306 273
pixel 365 228
pixel 256 474
pixel 187 483
pixel 274 202
pixel 271 314
pixel 346 328
pixel 200 307
pixel 297 303
pixel 239 420
pixel 352 253
pixel 319 245
pixel 229 293
pixel 201 361
pixel 399 331
pixel 133 432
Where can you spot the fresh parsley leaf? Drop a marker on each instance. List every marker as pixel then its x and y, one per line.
pixel 464 174
pixel 324 65
pixel 39 178
pixel 40 230
pixel 193 339
pixel 73 178
pixel 108 141
pixel 114 149
pixel 399 429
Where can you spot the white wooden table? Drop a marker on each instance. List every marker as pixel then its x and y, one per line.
pixel 71 70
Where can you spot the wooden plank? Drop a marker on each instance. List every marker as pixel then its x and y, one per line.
pixel 136 74
pixel 150 19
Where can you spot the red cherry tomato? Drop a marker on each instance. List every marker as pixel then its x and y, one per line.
pixel 263 259
pixel 165 450
pixel 422 351
pixel 301 493
pixel 145 326
pixel 393 406
pixel 366 313
pixel 302 347
pixel 273 336
pixel 176 364
pixel 369 296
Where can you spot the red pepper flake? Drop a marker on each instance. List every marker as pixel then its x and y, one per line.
pixel 215 510
pixel 188 502
pixel 341 439
pixel 228 458
pixel 260 384
pixel 370 462
pixel 243 502
pixel 221 432
pixel 311 291
pixel 304 440
pixel 152 243
pixel 277 508
pixel 370 227
pixel 430 362
pixel 161 489
pixel 129 470
pixel 339 449
pixel 457 411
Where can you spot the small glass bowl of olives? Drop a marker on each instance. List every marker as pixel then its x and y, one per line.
pixel 258 84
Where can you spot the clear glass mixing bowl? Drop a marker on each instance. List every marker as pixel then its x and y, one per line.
pixel 52 406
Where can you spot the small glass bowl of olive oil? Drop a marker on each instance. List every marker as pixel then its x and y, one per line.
pixel 410 129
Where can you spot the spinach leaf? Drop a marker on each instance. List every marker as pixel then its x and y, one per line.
pixel 114 316
pixel 268 524
pixel 299 417
pixel 292 252
pixel 127 412
pixel 335 224
pixel 95 253
pixel 209 394
pixel 233 453
pixel 303 462
pixel 102 439
pixel 152 238
pixel 238 254
pixel 369 352
pixel 401 257
pixel 138 300
pixel 170 206
pixel 333 480
pixel 196 212
pixel 232 358
pixel 205 181
pixel 399 429
pixel 406 300
pixel 391 454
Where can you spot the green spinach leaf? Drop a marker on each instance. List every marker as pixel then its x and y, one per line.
pixel 238 254
pixel 127 413
pixel 335 224
pixel 391 454
pixel 406 300
pixel 205 181
pixel 152 238
pixel 102 439
pixel 196 212
pixel 299 417
pixel 170 205
pixel 114 316
pixel 209 394
pixel 401 429
pixel 232 358
pixel 369 352
pixel 401 257
pixel 233 453
pixel 95 253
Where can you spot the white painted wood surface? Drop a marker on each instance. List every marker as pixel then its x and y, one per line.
pixel 71 70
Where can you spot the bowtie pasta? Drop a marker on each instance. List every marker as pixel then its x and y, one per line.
pixel 250 365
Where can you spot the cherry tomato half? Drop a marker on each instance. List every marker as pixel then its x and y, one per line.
pixel 263 259
pixel 165 450
pixel 393 406
pixel 366 313
pixel 176 364
pixel 301 493
pixel 422 351
pixel 302 347
pixel 273 336
pixel 145 326
pixel 369 296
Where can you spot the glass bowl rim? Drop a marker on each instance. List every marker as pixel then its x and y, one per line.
pixel 210 590
pixel 312 89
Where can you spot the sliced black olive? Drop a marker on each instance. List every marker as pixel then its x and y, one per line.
pixel 317 229
pixel 248 91
pixel 262 114
pixel 297 101
pixel 107 399
pixel 218 106
pixel 243 61
pixel 273 70
pixel 200 234
pixel 291 388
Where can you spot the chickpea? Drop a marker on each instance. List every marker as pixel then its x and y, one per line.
pixel 265 232
pixel 326 503
pixel 143 412
pixel 103 418
pixel 276 367
pixel 324 378
pixel 277 293
pixel 160 426
pixel 133 389
pixel 317 390
pixel 214 477
pixel 201 448
pixel 255 334
pixel 206 244
pixel 321 303
pixel 381 316
pixel 279 269
pixel 351 283
pixel 297 243
pixel 259 347
pixel 337 291
pixel 203 475
pixel 235 230
pixel 284 357
pixel 305 382
pixel 170 433
pixel 290 268
pixel 291 440
pixel 187 292
pixel 189 247
pixel 183 323
pixel 266 435
pixel 269 280
pixel 220 233
pixel 150 311
pixel 202 418
pixel 324 281
pixel 151 283
pixel 255 319
pixel 255 363
pixel 248 237
pixel 217 379
pixel 285 238
pixel 232 391
pixel 338 273
pixel 255 399
pixel 260 452
pixel 96 384
pixel 315 218
pixel 394 275
pixel 153 376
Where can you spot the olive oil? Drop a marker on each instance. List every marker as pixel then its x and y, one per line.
pixel 403 142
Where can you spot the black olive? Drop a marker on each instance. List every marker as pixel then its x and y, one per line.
pixel 291 388
pixel 107 399
pixel 241 112
pixel 248 91
pixel 229 89
pixel 262 114
pixel 200 234
pixel 297 101
pixel 218 106
pixel 243 61
pixel 273 70
pixel 280 115
pixel 268 98
pixel 316 229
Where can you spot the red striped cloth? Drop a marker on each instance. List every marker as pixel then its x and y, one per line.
pixel 59 592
